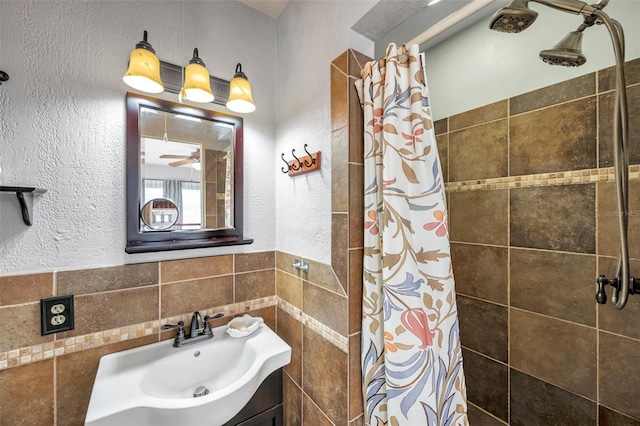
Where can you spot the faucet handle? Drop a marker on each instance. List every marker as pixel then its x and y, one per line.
pixel 180 325
pixel 207 326
pixel 180 336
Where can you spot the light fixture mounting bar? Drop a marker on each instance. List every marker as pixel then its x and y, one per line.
pixel 172 78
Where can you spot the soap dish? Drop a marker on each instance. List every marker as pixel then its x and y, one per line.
pixel 244 325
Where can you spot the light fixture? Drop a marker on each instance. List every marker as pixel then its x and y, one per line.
pixel 240 99
pixel 197 83
pixel 144 69
pixel 193 83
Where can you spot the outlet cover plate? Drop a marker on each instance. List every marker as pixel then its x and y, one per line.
pixel 56 314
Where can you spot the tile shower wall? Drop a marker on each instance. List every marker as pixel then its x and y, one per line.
pixel 46 380
pixel 532 222
pixel 319 313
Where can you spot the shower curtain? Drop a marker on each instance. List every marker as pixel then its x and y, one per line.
pixel 411 355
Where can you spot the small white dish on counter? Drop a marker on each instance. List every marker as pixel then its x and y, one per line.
pixel 244 325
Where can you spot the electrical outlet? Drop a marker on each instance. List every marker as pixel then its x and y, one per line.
pixel 56 314
pixel 58 320
pixel 58 309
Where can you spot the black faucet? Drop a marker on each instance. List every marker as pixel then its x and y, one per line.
pixel 196 324
pixel 194 336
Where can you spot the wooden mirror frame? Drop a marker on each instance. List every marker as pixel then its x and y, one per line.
pixel 152 241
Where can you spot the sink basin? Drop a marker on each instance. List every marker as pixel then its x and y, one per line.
pixel 155 384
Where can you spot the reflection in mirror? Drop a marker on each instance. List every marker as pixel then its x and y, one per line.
pixel 190 161
pixel 159 214
pixel 192 158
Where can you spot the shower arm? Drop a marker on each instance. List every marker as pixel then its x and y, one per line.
pixel 573 6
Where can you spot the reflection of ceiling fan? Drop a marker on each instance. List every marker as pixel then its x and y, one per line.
pixel 183 159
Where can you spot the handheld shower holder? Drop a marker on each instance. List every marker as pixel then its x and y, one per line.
pixel 603 281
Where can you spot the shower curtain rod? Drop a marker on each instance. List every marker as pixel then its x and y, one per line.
pixel 451 20
pixel 440 27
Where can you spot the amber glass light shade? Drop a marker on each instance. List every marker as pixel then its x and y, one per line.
pixel 240 99
pixel 144 69
pixel 197 82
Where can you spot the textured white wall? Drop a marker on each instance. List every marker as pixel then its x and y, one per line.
pixel 62 120
pixel 311 34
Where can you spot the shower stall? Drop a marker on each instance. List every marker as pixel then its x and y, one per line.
pixel 535 216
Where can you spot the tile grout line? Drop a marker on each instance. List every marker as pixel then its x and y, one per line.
pixel 477 407
pixel 509 266
pixel 319 409
pixel 597 252
pixel 233 278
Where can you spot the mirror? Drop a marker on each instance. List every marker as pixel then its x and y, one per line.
pixel 159 213
pixel 184 176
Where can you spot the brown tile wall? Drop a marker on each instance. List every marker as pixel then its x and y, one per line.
pixel 532 223
pixel 322 383
pixel 46 380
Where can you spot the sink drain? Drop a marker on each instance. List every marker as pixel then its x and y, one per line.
pixel 200 391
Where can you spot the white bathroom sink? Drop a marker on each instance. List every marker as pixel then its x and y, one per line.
pixel 155 384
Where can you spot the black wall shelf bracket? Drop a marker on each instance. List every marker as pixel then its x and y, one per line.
pixel 19 191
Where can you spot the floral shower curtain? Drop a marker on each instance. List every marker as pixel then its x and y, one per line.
pixel 411 355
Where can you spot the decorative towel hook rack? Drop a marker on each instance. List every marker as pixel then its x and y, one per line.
pixel 305 164
pixel 295 165
pixel 313 160
pixel 19 191
pixel 285 170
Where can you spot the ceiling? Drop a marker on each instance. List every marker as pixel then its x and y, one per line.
pixel 165 133
pixel 271 8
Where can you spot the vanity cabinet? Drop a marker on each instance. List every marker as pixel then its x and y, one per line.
pixel 265 407
pixel 272 417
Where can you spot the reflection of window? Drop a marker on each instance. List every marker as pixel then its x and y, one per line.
pixel 191 205
pixel 151 188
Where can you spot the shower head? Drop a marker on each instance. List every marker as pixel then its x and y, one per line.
pixel 517 17
pixel 568 52
pixel 514 18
